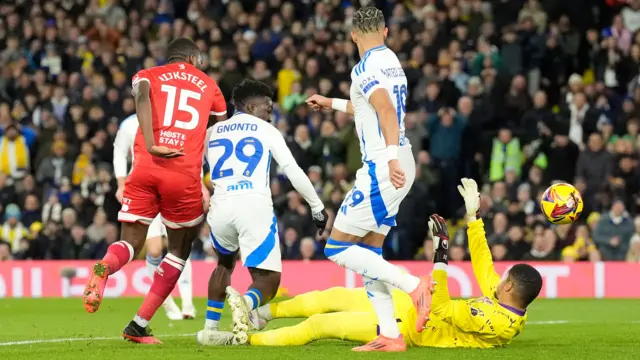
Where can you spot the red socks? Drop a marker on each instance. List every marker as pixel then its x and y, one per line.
pixel 119 254
pixel 164 280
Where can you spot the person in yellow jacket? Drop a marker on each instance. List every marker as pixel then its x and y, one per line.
pixel 492 320
pixel 14 152
pixel 506 153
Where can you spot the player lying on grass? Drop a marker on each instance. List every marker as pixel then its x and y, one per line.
pixel 489 321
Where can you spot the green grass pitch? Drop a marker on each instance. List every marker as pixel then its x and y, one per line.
pixel 60 329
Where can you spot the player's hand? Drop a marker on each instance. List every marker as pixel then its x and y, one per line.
pixel 318 102
pixel 120 193
pixel 165 152
pixel 396 174
pixel 471 196
pixel 438 228
pixel 320 220
pixel 440 235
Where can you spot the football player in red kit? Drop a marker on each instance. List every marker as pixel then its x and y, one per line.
pixel 173 105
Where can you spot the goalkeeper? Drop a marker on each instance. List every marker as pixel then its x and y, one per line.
pixel 489 321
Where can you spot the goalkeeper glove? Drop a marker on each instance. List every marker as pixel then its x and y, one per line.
pixel 471 196
pixel 440 236
pixel 320 220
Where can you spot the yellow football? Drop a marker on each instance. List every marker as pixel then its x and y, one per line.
pixel 561 203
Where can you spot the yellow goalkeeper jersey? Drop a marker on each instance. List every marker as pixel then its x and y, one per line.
pixel 474 323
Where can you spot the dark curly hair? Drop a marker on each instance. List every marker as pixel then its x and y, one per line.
pixel 527 283
pixel 368 19
pixel 247 89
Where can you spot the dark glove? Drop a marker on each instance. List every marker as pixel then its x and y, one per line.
pixel 320 220
pixel 440 236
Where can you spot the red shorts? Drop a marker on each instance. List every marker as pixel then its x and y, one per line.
pixel 149 191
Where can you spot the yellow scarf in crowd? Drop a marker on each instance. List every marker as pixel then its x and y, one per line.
pixel 14 155
pixel 13 235
pixel 79 169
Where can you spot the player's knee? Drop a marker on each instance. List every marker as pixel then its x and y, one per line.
pixel 274 280
pixel 271 278
pixel 154 246
pixel 228 262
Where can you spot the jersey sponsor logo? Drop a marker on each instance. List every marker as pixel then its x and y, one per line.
pixel 237 127
pixel 172 138
pixel 368 83
pixel 476 312
pixel 240 185
pixel 393 72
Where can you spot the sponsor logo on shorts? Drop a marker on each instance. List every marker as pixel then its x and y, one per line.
pixel 241 185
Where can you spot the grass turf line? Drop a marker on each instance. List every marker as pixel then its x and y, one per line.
pixel 558 329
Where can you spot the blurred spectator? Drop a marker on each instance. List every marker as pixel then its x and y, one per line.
pixel 506 155
pixel 631 15
pixel 533 9
pixel 98 228
pixel 583 248
pixel 499 230
pixel 543 247
pixel 445 131
pixel 291 245
pixel 516 245
pixel 55 167
pixel 582 119
pixel 12 230
pixel 562 154
pixel 5 252
pixel 14 153
pixel 31 210
pixel 535 119
pixel 613 233
pixel 308 249
pixel 594 165
pixel 634 244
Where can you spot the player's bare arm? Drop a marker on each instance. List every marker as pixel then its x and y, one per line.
pixel 318 102
pixel 141 93
pixel 391 131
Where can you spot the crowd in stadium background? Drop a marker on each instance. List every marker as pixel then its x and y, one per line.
pixel 514 93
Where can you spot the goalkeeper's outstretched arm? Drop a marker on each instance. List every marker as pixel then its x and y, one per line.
pixel 454 312
pixel 481 259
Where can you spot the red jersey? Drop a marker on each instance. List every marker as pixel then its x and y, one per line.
pixel 182 98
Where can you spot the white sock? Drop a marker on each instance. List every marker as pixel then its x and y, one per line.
pixel 211 324
pixel 380 296
pixel 185 287
pixel 367 263
pixel 249 301
pixel 265 312
pixel 140 321
pixel 152 263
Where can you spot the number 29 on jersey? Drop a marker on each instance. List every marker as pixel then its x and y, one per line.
pixel 239 150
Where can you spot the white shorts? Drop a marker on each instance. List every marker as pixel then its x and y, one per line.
pixel 246 223
pixel 156 228
pixel 373 202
